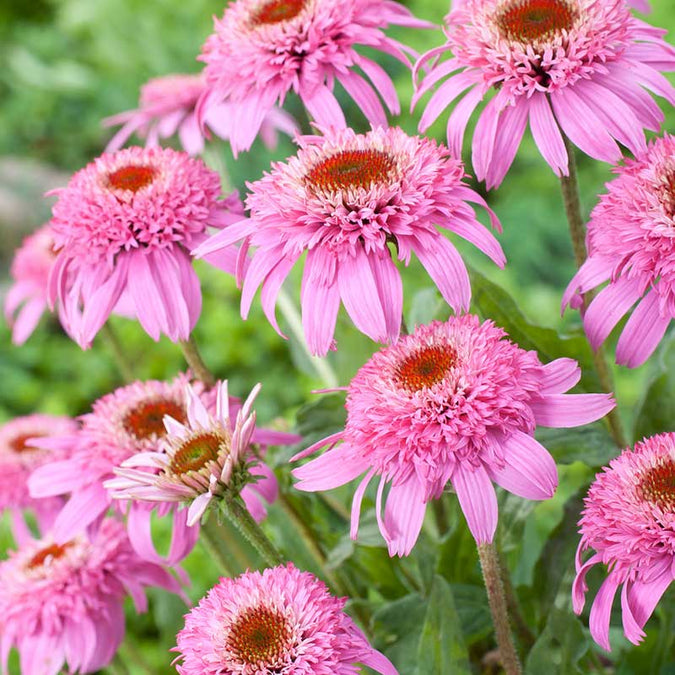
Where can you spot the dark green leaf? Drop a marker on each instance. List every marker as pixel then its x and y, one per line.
pixel 590 444
pixel 560 647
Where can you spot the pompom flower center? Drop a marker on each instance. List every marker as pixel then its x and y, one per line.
pixel 147 419
pixel 196 452
pixel 276 11
pixel 351 169
pixel 260 635
pixel 529 20
pixel 18 443
pixel 48 554
pixel 132 177
pixel 657 485
pixel 426 367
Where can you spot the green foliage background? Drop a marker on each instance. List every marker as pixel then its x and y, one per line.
pixel 66 64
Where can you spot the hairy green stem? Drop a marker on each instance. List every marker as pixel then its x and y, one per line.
pixel 492 576
pixel 215 543
pixel 120 357
pixel 195 361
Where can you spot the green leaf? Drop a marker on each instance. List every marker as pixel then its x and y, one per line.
pixel 590 444
pixel 426 305
pixel 323 416
pixel 442 648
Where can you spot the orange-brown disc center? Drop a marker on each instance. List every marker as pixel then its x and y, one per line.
pixel 259 635
pixel 529 20
pixel 351 169
pixel 425 367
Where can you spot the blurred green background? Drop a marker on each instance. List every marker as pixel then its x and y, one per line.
pixel 66 64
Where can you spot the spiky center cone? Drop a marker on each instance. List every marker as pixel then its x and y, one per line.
pixel 350 169
pixel 657 486
pixel 146 420
pixel 132 177
pixel 18 443
pixel 276 11
pixel 260 636
pixel 196 452
pixel 47 555
pixel 533 20
pixel 425 367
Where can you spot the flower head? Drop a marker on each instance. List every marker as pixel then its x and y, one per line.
pixel 344 199
pixel 30 271
pixel 560 65
pixel 455 402
pixel 629 521
pixel 168 105
pixel 203 457
pixel 279 621
pixel 262 49
pixel 126 223
pixel 61 605
pixel 631 244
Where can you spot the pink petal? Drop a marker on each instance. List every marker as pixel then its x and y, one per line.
pixel 330 470
pixel 226 237
pixel 27 320
pixel 54 478
pixel 560 376
pixel 322 105
pixel 82 509
pixel 510 130
pixel 546 134
pixel 579 587
pixel 478 500
pixel 445 95
pixel 480 237
pixel 404 515
pixel 364 96
pixel 644 596
pixel 591 274
pixel 571 410
pixel 459 119
pixel 390 291
pixel 356 503
pixel 601 610
pixel 378 662
pixel 632 630
pixel 484 137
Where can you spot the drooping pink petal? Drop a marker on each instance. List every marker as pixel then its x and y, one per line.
pixel 403 516
pixel 478 501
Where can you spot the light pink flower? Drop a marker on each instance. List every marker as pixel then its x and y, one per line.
pixel 126 223
pixel 62 605
pixel 279 621
pixel 201 459
pixel 167 105
pixel 629 521
pixel 262 50
pixel 576 66
pixel 26 300
pixel 452 402
pixel 18 458
pixel 345 198
pixel 631 244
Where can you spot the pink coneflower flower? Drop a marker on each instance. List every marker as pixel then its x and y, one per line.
pixel 279 621
pixel 576 66
pixel 62 605
pixel 18 458
pixel 26 300
pixel 203 457
pixel 263 49
pixel 452 402
pixel 629 522
pixel 167 105
pixel 344 198
pixel 631 243
pixel 126 223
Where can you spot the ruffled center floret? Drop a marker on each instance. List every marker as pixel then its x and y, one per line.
pixel 275 11
pixel 197 452
pixel 261 636
pixel 528 20
pixel 352 169
pixel 442 395
pixel 145 420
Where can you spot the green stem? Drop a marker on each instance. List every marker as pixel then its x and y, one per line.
pixel 321 366
pixel 119 355
pixel 216 544
pixel 244 521
pixel 570 192
pixel 440 515
pixel 196 363
pixel 492 576
pixel 132 654
pixel 118 666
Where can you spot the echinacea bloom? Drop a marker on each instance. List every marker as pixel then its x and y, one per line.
pixel 629 522
pixel 573 67
pixel 262 50
pixel 26 300
pixel 631 244
pixel 279 621
pixel 203 458
pixel 126 223
pixel 167 106
pixel 344 198
pixel 62 605
pixel 18 458
pixel 452 402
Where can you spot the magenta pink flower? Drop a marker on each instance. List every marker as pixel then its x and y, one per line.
pixel 18 458
pixel 629 522
pixel 279 621
pixel 262 50
pixel 62 605
pixel 167 105
pixel 452 402
pixel 344 199
pixel 26 300
pixel 630 243
pixel 126 222
pixel 201 459
pixel 576 66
